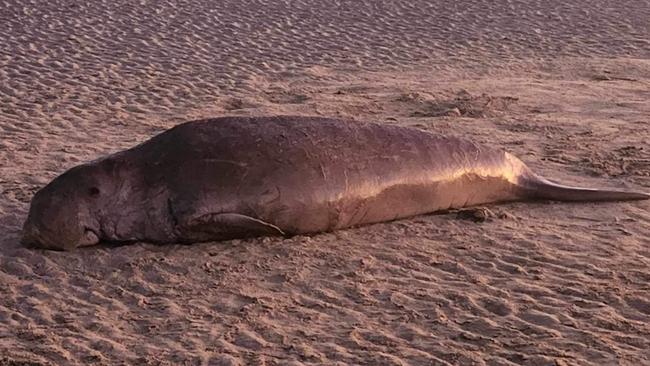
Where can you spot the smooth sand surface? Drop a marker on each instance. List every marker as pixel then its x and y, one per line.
pixel 563 85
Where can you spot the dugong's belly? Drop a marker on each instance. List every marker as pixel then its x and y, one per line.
pixel 335 197
pixel 371 204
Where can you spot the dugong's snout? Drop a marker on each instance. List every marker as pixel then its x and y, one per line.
pixel 34 236
pixel 66 234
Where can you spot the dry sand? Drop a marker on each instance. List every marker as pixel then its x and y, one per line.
pixel 565 85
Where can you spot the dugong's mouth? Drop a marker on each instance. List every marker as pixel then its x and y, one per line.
pixel 89 238
pixel 36 238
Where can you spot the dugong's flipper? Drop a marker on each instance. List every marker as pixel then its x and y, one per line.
pixel 223 226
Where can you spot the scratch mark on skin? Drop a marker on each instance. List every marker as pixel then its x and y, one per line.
pixel 241 181
pixel 237 163
pixel 172 215
pixel 322 171
pixel 365 213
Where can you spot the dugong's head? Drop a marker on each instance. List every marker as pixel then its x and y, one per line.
pixel 65 213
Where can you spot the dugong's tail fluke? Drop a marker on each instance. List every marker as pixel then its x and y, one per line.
pixel 540 188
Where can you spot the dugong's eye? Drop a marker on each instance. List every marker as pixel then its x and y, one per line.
pixel 93 191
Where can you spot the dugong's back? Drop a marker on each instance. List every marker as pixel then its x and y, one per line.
pixel 305 174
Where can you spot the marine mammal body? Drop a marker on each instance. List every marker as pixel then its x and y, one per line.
pixel 233 177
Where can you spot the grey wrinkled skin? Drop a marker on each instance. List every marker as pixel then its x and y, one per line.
pixel 238 177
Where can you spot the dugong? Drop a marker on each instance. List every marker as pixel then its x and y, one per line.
pixel 235 177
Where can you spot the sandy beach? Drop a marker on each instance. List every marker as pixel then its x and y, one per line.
pixel 565 86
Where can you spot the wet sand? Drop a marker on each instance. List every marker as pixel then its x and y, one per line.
pixel 564 86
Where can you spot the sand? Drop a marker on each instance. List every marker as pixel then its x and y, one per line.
pixel 563 85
